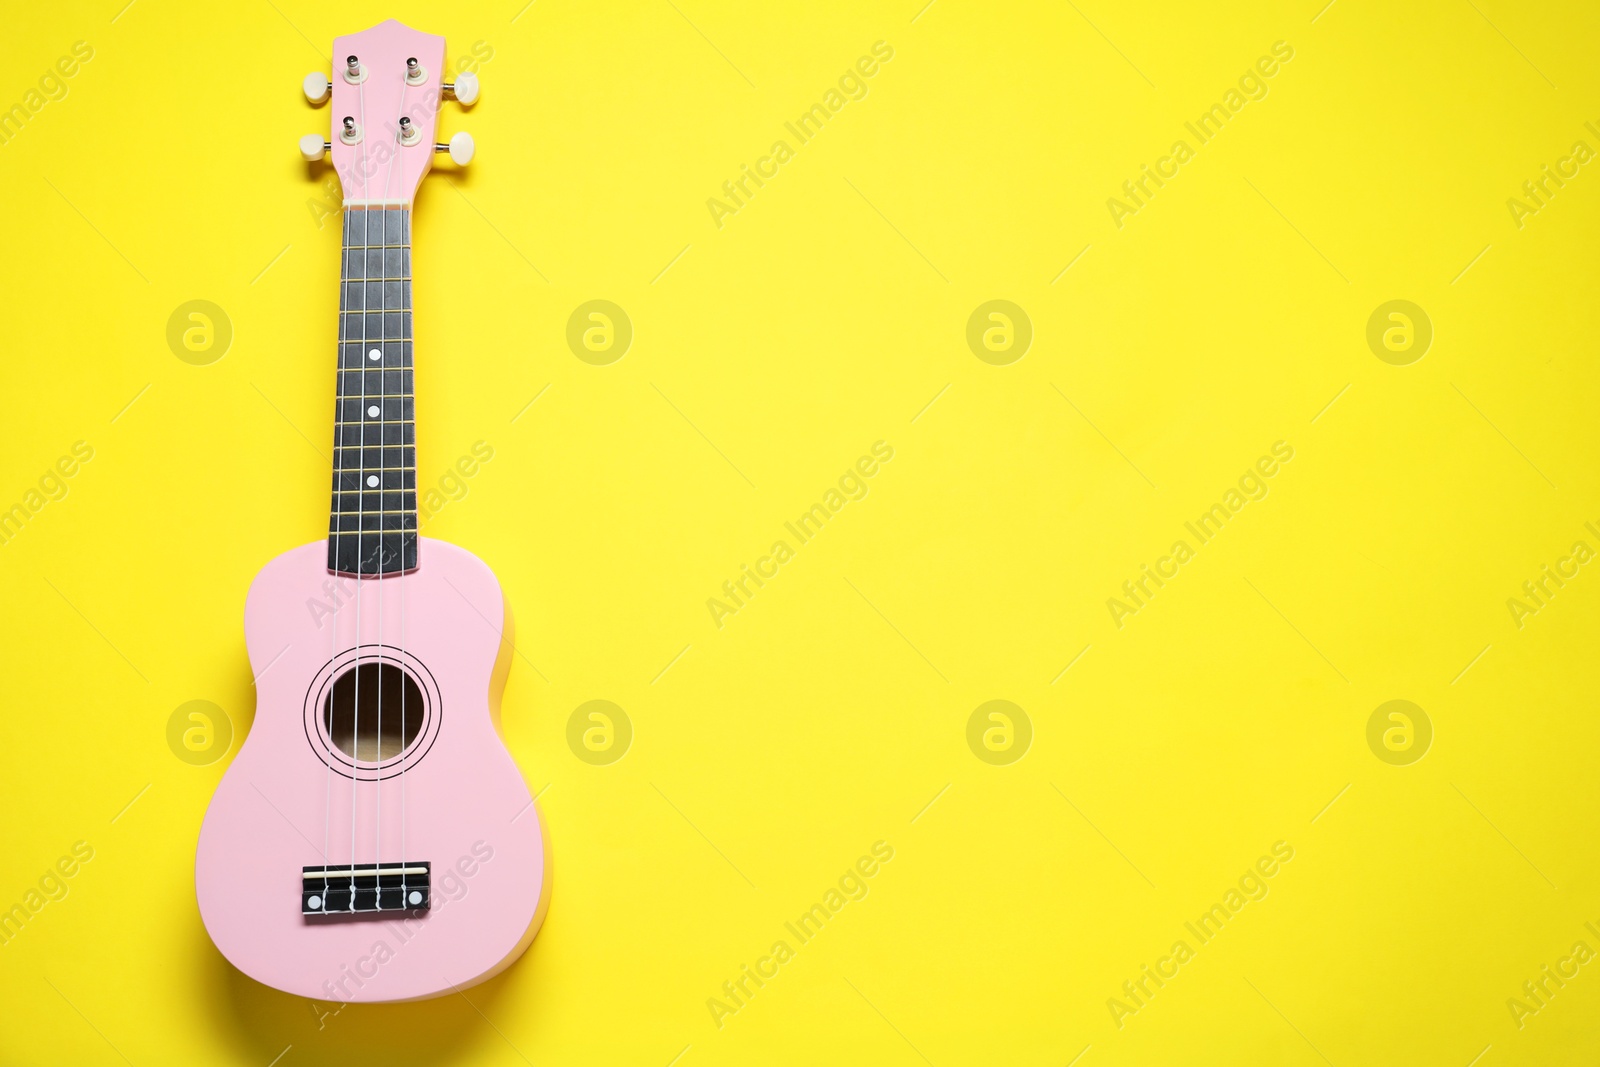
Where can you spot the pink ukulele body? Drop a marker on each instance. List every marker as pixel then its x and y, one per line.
pixel 373 840
pixel 460 803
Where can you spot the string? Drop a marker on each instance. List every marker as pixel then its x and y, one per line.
pixel 338 510
pixel 361 489
pixel 383 423
pixel 365 248
pixel 377 654
pixel 405 863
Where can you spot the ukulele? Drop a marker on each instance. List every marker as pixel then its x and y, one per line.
pixel 373 840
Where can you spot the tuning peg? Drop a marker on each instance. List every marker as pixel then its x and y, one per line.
pixel 315 87
pixel 312 147
pixel 464 88
pixel 461 148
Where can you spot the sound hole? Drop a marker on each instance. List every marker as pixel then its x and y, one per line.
pixel 373 712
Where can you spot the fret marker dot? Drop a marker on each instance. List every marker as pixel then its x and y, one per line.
pixel 375 355
pixel 316 903
pixel 415 897
pixel 372 481
pixel 373 411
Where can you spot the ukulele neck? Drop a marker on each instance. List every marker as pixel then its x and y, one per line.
pixel 372 529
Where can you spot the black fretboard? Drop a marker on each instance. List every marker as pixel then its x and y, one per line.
pixel 373 527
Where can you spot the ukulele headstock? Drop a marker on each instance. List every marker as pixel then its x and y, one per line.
pixel 386 91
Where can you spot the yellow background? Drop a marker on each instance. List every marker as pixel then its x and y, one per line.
pixel 825 716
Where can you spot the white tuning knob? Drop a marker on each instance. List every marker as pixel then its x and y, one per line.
pixel 316 88
pixel 461 148
pixel 465 88
pixel 312 147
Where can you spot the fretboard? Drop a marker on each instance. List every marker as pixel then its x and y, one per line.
pixel 373 527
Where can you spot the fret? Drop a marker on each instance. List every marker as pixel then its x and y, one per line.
pixel 349 523
pixel 377 261
pixel 374 391
pixel 367 227
pixel 351 501
pixel 372 553
pixel 357 407
pixel 387 383
pixel 390 479
pixel 380 295
pixel 373 511
pixel 392 325
pixel 399 383
pixel 373 434
pixel 392 352
pixel 391 406
pixel 352 456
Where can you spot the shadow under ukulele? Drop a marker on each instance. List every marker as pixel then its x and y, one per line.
pixel 254 1023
